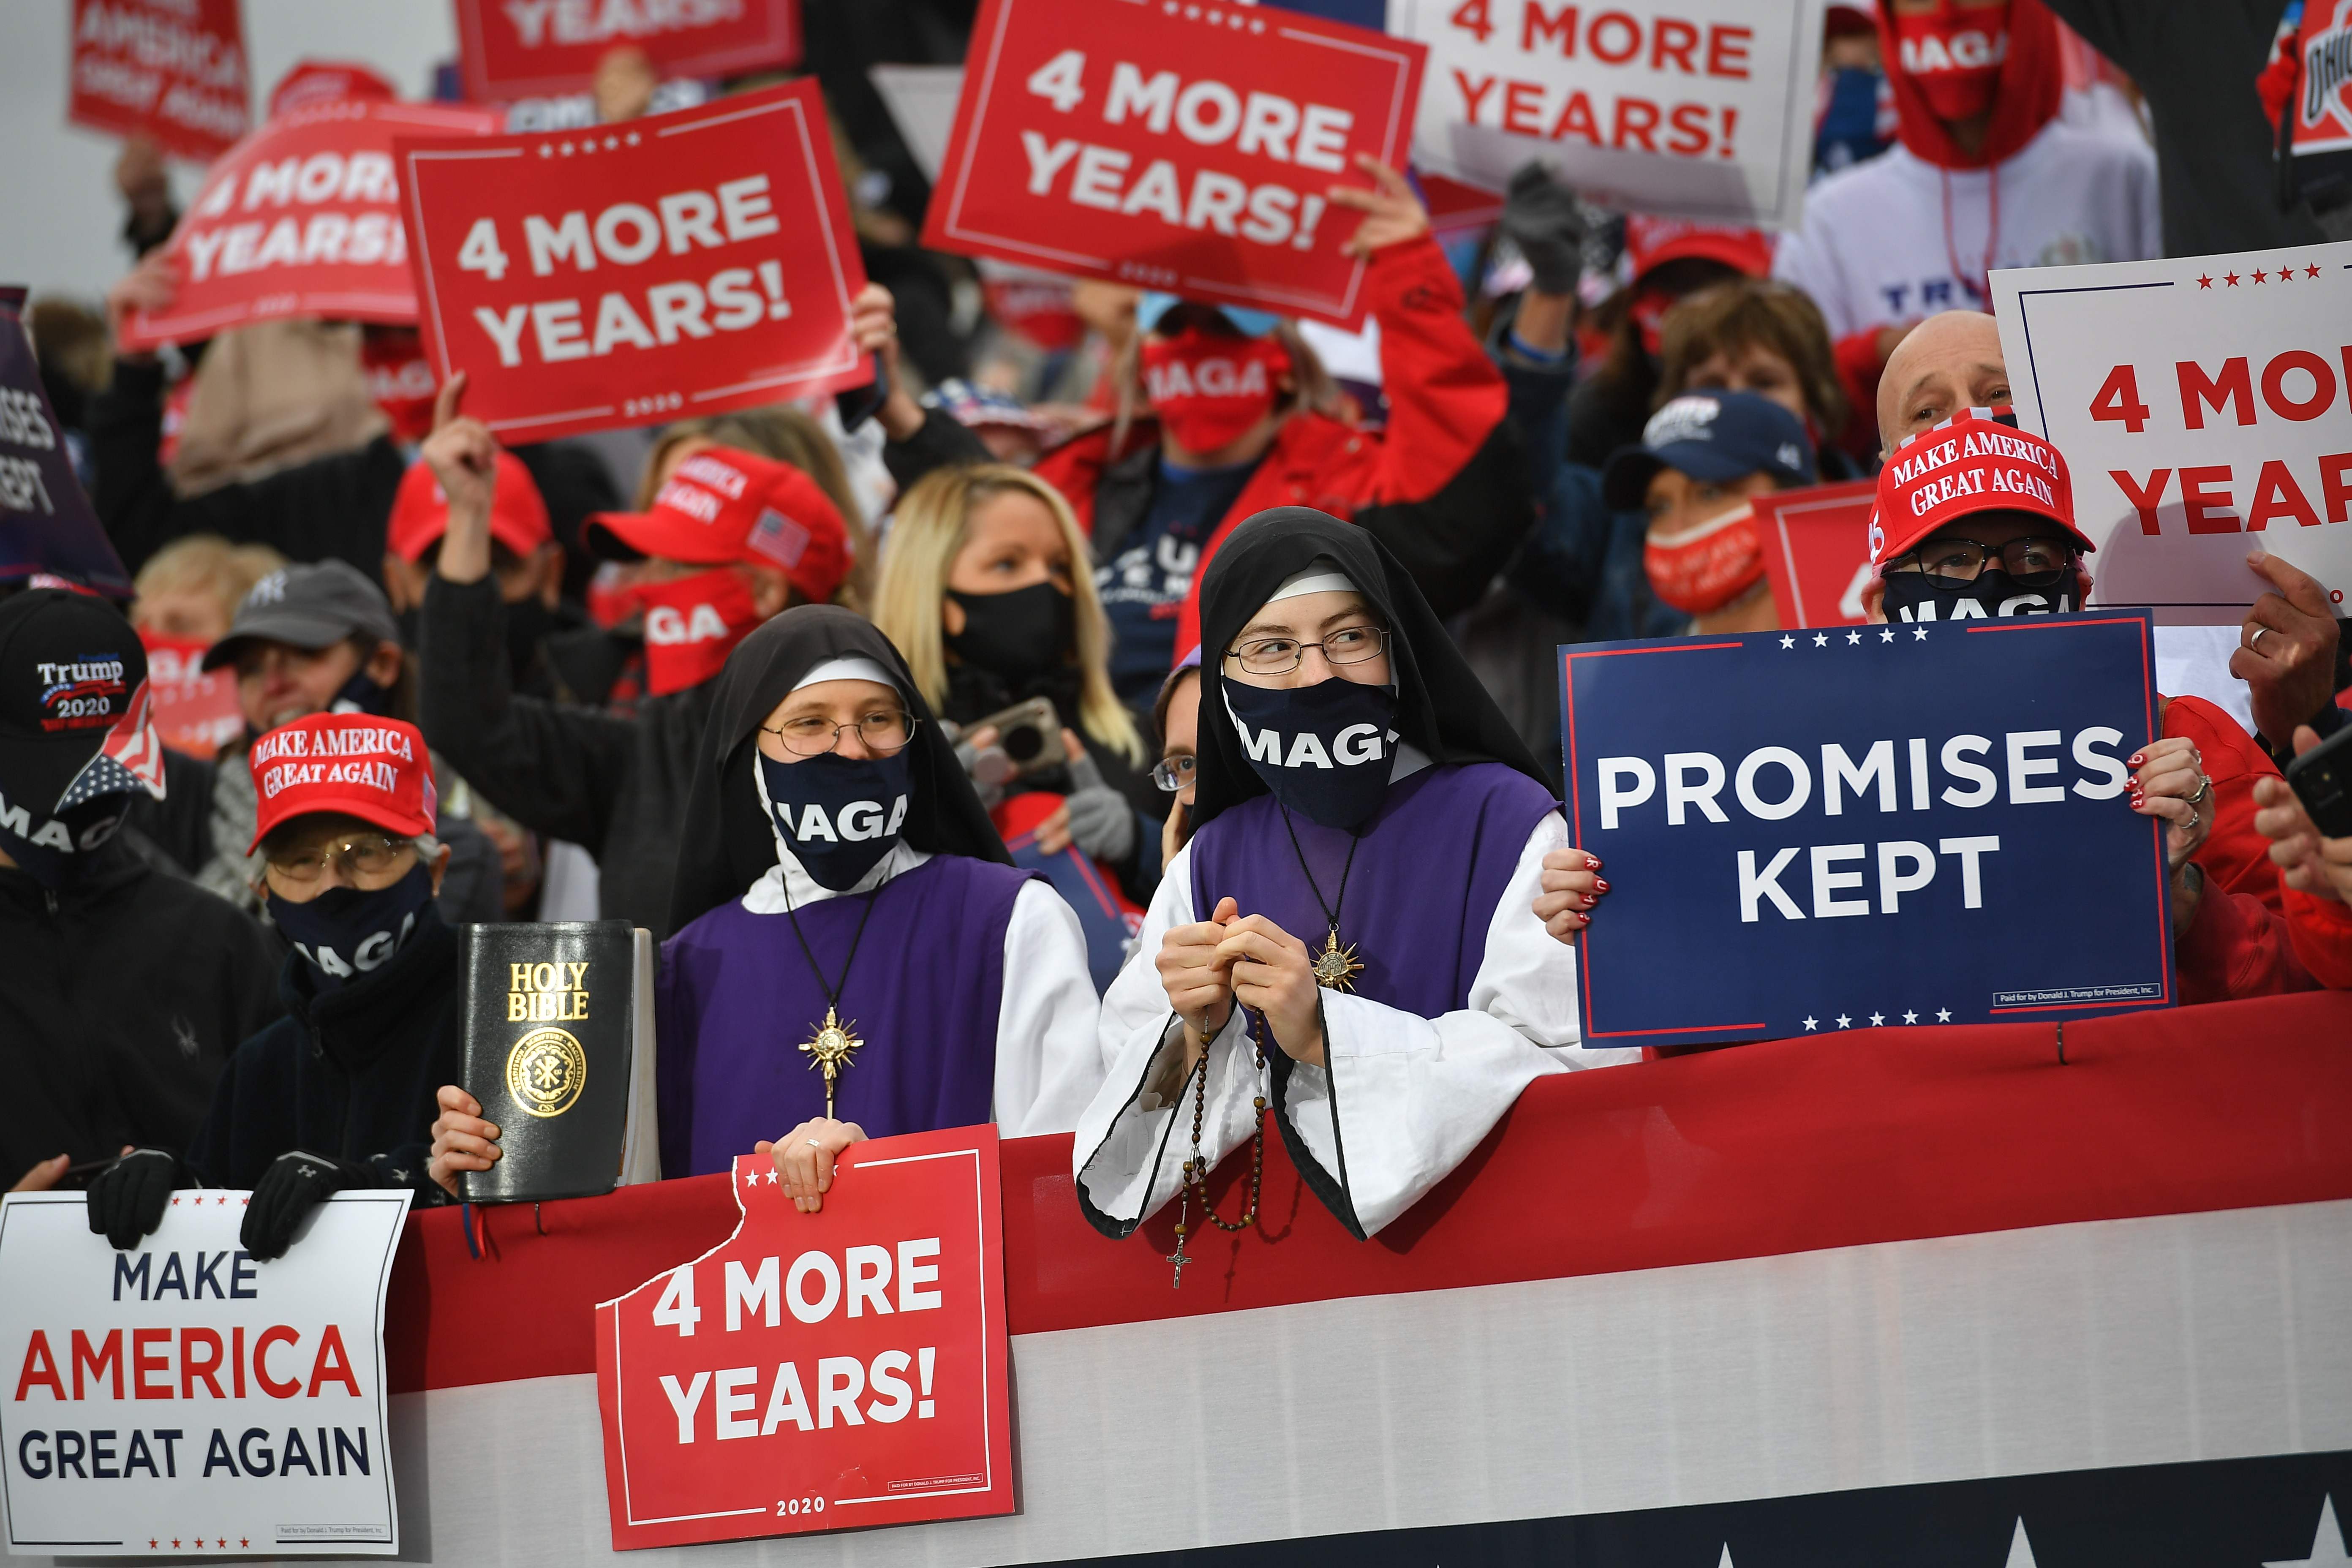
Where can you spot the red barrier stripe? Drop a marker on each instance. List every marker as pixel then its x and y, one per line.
pixel 1787 1146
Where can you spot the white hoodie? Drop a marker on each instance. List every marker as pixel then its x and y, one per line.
pixel 1896 237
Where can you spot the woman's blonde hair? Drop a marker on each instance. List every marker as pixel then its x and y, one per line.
pixel 784 435
pixel 932 522
pixel 205 562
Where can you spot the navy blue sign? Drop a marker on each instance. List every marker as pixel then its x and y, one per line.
pixel 46 521
pixel 1811 831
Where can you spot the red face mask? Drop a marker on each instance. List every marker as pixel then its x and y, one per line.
pixel 1953 54
pixel 692 624
pixel 1703 569
pixel 1210 389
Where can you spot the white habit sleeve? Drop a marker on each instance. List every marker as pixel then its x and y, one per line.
pixel 1404 1099
pixel 1048 1065
pixel 1132 1142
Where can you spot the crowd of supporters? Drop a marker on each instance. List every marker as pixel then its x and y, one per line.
pixel 1550 429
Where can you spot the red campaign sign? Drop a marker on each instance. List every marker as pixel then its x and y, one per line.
pixel 819 1372
pixel 194 713
pixel 301 218
pixel 1184 147
pixel 683 263
pixel 538 48
pixel 1817 551
pixel 171 69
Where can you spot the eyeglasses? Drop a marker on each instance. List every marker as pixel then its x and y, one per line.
pixel 812 734
pixel 1280 656
pixel 1174 773
pixel 356 854
pixel 2035 561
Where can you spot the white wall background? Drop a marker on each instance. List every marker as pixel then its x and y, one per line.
pixel 59 211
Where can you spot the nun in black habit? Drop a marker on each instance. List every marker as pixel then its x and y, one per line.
pixel 849 921
pixel 1367 845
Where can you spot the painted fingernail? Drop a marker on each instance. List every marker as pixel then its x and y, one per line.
pixel 1591 863
pixel 2137 761
pixel 1600 885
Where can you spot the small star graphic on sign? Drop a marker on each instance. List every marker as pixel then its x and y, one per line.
pixel 771 1178
pixel 151 1543
pixel 545 150
pixel 2205 282
pixel 175 1203
pixel 1887 636
pixel 2231 279
pixel 1910 1018
pixel 2259 275
pixel 1788 642
pixel 1843 1020
pixel 175 1542
pixel 611 142
pixel 1820 639
pixel 2287 274
pixel 2312 270
pixel 244 1541
pixel 1810 1022
pixel 1918 633
pixel 2327 1542
pixel 567 149
pixel 1876 1020
pixel 1854 639
pixel 632 139
pixel 1943 1014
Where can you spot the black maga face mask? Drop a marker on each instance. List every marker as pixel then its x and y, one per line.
pixel 53 850
pixel 1017 634
pixel 1324 750
pixel 1914 597
pixel 346 933
pixel 839 816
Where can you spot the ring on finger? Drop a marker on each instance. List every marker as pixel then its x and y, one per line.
pixel 2254 642
pixel 2204 791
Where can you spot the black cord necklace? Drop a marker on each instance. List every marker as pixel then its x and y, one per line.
pixel 830 1047
pixel 1335 967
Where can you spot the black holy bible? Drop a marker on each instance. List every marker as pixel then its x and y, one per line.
pixel 559 1051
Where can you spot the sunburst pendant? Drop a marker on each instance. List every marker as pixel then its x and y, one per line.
pixel 1335 967
pixel 829 1050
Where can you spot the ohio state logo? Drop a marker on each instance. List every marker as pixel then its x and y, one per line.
pixel 669 626
pixel 2326 65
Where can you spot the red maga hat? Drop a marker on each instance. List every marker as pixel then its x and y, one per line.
pixel 721 506
pixel 352 763
pixel 1969 463
pixel 420 511
pixel 1653 242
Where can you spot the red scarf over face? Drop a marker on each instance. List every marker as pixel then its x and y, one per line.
pixel 2026 93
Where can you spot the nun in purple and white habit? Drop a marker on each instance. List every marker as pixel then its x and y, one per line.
pixel 1367 846
pixel 842 898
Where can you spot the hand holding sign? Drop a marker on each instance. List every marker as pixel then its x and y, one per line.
pixel 2286 651
pixel 464 457
pixel 1572 891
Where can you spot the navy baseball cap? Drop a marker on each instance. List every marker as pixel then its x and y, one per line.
pixel 1712 436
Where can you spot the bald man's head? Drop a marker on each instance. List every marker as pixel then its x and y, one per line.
pixel 1943 365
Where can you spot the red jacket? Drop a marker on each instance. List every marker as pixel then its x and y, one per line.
pixel 1443 486
pixel 2240 944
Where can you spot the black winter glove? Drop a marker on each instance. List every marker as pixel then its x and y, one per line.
pixel 295 1183
pixel 1539 216
pixel 128 1199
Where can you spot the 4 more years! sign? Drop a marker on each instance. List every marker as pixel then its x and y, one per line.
pixel 676 266
pixel 819 1372
pixel 2204 405
pixel 1187 147
pixel 182 1397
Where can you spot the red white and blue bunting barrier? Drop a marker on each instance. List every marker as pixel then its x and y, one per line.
pixel 1926 1295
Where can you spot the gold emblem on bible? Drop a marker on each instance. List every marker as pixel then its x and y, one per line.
pixel 545 1072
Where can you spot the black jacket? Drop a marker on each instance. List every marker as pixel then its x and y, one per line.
pixel 349 1072
pixel 617 786
pixel 122 997
pixel 331 508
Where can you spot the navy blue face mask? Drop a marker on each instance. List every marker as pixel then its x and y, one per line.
pixel 1914 597
pixel 839 816
pixel 346 933
pixel 1325 750
pixel 53 850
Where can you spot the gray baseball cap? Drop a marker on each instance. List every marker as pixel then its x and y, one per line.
pixel 311 607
